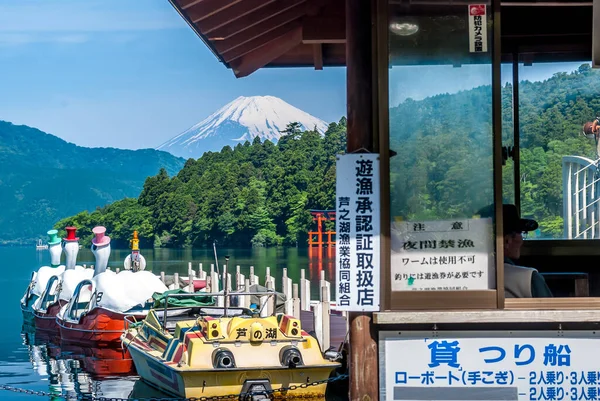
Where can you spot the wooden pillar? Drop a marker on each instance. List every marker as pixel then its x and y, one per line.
pixel 364 376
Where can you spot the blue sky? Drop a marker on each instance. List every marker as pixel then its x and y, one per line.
pixel 116 73
pixel 132 74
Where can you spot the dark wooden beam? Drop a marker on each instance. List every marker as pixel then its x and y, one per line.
pixel 236 12
pixel 318 56
pixel 200 10
pixel 260 57
pixel 290 15
pixel 254 18
pixel 259 42
pixel 363 358
pixel 323 30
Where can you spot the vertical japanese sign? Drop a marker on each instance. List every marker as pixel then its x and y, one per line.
pixel 443 255
pixel 501 365
pixel 477 28
pixel 357 232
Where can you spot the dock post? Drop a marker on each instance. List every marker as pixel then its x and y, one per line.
pixel 253 278
pixel 208 284
pixel 117 270
pixel 162 277
pixel 296 302
pixel 304 291
pixel 272 300
pixel 201 272
pixel 286 288
pixel 246 298
pixel 175 281
pixel 325 315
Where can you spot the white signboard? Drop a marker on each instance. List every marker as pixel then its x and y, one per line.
pixel 477 28
pixel 542 365
pixel 357 232
pixel 443 255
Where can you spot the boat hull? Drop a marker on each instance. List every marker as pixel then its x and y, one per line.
pixel 47 321
pixel 99 327
pixel 190 383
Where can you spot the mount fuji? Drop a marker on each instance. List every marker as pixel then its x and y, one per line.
pixel 241 120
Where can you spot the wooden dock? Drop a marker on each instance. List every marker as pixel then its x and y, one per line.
pixel 318 317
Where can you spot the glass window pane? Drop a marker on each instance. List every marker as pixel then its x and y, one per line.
pixel 441 129
pixel 559 174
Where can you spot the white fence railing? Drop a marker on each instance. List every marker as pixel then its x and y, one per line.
pixel 581 197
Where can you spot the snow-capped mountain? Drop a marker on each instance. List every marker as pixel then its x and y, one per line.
pixel 241 120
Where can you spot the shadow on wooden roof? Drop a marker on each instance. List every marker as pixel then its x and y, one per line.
pixel 247 35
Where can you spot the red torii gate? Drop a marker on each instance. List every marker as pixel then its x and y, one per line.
pixel 321 216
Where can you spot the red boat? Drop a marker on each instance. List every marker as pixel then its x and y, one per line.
pixel 100 327
pixel 95 315
pixel 47 321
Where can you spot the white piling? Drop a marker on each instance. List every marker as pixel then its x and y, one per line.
pixel 201 272
pixel 175 281
pixel 208 284
pixel 325 315
pixel 246 298
pixel 237 277
pixel 295 302
pixel 117 270
pixel 253 277
pixel 212 267
pixel 242 282
pixel 304 291
pixel 318 322
pixel 162 277
pixel 286 286
pixel 271 306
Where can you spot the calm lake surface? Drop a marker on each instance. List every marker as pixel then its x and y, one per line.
pixel 41 363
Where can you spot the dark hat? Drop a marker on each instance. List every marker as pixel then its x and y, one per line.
pixel 512 222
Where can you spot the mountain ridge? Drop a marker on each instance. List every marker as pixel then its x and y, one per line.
pixel 44 178
pixel 243 119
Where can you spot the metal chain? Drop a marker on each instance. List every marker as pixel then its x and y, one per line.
pixel 241 396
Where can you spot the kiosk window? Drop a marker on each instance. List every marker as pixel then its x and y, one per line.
pixel 441 179
pixel 559 175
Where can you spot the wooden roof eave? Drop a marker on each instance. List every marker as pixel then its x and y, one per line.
pixel 198 33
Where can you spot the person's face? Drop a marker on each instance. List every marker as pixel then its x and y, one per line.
pixel 512 245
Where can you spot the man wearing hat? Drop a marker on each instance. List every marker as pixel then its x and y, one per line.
pixel 519 281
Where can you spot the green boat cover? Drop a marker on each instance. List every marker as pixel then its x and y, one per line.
pixel 191 301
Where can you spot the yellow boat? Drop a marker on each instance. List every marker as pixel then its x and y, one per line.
pixel 214 351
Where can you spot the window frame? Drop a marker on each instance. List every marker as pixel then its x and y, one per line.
pixel 432 300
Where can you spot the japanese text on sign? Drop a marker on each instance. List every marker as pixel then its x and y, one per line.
pixel 357 232
pixel 477 28
pixel 442 255
pixel 544 367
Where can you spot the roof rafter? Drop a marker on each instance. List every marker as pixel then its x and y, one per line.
pixel 261 56
pixel 236 12
pixel 291 14
pixel 254 18
pixel 199 10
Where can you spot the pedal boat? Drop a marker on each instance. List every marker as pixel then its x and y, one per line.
pixel 213 351
pixel 39 279
pixel 96 314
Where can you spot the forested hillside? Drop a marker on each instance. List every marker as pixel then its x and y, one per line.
pixel 261 194
pixel 255 194
pixel 44 178
pixel 443 167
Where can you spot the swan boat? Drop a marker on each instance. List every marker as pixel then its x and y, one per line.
pixel 97 312
pixel 208 351
pixel 39 278
pixel 59 287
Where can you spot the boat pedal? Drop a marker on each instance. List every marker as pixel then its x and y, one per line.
pixel 259 389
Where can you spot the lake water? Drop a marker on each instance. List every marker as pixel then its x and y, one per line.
pixel 40 363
